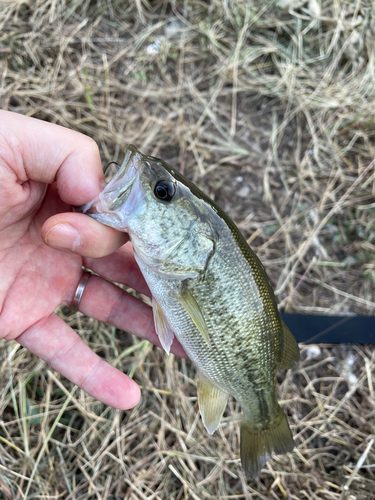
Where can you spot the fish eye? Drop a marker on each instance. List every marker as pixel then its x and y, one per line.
pixel 165 190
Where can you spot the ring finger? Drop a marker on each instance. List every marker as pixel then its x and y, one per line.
pixel 104 301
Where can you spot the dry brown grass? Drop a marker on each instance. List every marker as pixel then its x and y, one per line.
pixel 272 113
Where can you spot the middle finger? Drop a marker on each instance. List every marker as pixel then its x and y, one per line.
pixel 107 302
pixel 120 267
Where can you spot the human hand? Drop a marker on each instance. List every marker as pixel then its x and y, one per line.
pixel 46 169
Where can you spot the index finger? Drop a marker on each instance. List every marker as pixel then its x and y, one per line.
pixel 46 152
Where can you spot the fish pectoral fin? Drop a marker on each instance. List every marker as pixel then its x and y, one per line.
pixel 191 306
pixel 162 327
pixel 212 402
pixel 289 351
pixel 257 445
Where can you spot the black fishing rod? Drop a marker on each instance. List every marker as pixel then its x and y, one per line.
pixel 311 329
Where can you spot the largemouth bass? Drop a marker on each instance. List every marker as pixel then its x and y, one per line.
pixel 210 291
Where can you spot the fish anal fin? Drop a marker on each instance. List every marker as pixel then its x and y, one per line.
pixel 257 445
pixel 191 306
pixel 212 402
pixel 290 349
pixel 162 327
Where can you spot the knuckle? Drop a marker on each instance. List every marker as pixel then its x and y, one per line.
pixel 56 357
pixel 90 374
pixel 92 147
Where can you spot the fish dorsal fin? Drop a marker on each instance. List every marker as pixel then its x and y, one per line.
pixel 162 327
pixel 212 402
pixel 289 350
pixel 191 306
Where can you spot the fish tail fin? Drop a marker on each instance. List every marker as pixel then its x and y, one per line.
pixel 257 445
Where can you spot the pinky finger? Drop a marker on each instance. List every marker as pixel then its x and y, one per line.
pixel 54 341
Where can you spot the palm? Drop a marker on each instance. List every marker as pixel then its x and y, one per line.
pixel 40 278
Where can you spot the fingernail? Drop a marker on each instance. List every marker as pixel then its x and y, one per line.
pixel 63 236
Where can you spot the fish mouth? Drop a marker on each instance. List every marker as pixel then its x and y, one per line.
pixel 118 200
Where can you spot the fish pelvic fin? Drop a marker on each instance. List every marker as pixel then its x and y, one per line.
pixel 212 402
pixel 162 327
pixel 289 349
pixel 257 445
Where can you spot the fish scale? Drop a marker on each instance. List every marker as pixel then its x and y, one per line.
pixel 210 291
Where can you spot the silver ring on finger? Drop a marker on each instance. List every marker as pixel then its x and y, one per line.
pixel 79 291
